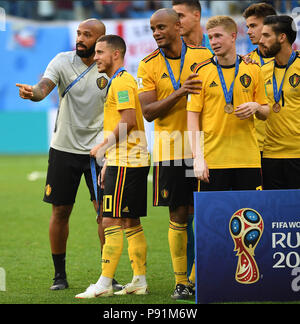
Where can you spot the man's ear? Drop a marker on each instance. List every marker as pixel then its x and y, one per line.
pixel 234 36
pixel 282 38
pixel 197 14
pixel 116 54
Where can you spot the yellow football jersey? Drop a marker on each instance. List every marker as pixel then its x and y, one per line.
pixel 260 125
pixel 123 95
pixel 283 128
pixel 228 141
pixel 260 60
pixel 170 139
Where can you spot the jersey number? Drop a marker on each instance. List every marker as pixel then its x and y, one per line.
pixel 107 203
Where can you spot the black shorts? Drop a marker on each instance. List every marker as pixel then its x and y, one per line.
pixel 281 173
pixel 63 177
pixel 174 183
pixel 125 192
pixel 233 179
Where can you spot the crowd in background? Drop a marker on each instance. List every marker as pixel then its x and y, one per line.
pixel 103 9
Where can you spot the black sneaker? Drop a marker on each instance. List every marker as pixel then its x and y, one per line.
pixel 116 285
pixel 59 284
pixel 182 292
pixel 192 286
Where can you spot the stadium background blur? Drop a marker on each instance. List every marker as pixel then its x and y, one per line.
pixel 33 32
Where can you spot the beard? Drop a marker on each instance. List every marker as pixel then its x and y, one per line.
pixel 87 52
pixel 272 50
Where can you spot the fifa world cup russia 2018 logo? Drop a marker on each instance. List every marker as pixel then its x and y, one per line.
pixel 246 228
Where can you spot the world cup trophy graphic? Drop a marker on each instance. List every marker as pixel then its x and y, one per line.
pixel 246 228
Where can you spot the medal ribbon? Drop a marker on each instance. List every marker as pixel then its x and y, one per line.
pixel 228 94
pixel 262 62
pixel 176 84
pixel 277 93
pixel 77 79
pixel 203 41
pixel 121 69
pixel 97 192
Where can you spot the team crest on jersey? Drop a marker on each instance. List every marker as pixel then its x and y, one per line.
pixel 102 82
pixel 245 80
pixel 165 193
pixel 294 80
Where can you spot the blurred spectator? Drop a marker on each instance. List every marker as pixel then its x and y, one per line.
pixel 5 5
pixel 64 9
pixel 24 9
pixel 143 9
pixel 219 8
pixel 106 9
pixel 284 6
pixel 166 4
pixel 45 10
pixel 153 5
pixel 84 9
pixel 121 8
pixel 139 6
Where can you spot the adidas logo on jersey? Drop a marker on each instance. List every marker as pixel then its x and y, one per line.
pixel 125 210
pixel 213 84
pixel 165 76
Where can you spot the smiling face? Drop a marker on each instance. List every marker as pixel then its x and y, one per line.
pixel 165 29
pixel 103 57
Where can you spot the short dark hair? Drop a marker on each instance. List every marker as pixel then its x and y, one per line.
pixel 193 4
pixel 259 10
pixel 283 24
pixel 115 41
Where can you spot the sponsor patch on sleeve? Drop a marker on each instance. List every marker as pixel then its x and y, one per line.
pixel 123 96
pixel 140 83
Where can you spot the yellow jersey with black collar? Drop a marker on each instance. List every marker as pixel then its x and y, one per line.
pixel 228 141
pixel 260 125
pixel 283 127
pixel 259 59
pixel 123 95
pixel 170 138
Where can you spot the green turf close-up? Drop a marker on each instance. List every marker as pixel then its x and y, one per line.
pixel 25 250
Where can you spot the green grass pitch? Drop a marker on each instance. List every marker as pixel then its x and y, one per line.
pixel 25 251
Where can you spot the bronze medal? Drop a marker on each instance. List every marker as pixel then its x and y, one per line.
pixel 229 109
pixel 276 107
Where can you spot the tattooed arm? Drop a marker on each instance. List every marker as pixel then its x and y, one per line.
pixel 37 92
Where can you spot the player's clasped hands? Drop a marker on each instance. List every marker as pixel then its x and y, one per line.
pixel 25 91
